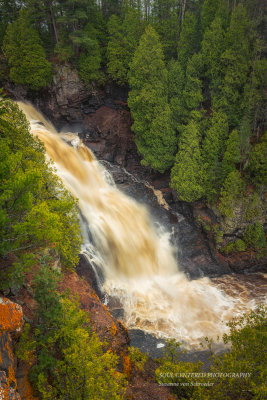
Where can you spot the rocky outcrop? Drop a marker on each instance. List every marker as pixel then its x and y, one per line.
pixel 65 95
pixel 11 323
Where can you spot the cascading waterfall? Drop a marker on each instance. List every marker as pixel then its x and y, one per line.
pixel 137 262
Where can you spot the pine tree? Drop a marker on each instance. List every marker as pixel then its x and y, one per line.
pixel 25 54
pixel 155 137
pixel 186 174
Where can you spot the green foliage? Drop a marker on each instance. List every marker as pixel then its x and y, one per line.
pixel 64 51
pixel 26 346
pixel 70 361
pixel 255 94
pixel 123 41
pixel 209 10
pixel 212 47
pixel 253 210
pixel 258 162
pixel 90 59
pixel 25 54
pixel 36 211
pixel 236 60
pixel 176 82
pixel 229 248
pixel 212 152
pixel 232 247
pixel 193 86
pixel 232 154
pixel 176 373
pixel 231 193
pixel 165 16
pixel 247 339
pixel 254 236
pixel 186 175
pixel 190 38
pixel 240 245
pixel 137 358
pixel 155 137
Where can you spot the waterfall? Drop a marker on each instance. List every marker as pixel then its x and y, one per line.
pixel 136 261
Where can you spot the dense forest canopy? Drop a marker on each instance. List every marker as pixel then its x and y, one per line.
pixel 196 75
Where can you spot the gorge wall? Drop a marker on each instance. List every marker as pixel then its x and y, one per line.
pixel 103 121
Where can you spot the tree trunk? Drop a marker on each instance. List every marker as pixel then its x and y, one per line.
pixel 53 20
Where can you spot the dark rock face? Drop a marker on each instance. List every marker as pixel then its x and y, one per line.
pixel 86 271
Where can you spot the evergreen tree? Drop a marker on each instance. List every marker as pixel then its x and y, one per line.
pixel 231 193
pixel 212 47
pixel 72 19
pixel 237 61
pixel 232 154
pixel 255 95
pixel 70 361
pixel 176 83
pixel 165 17
pixel 43 16
pixel 257 166
pixel 123 41
pixel 209 10
pixel 90 59
pixel 36 211
pixel 25 54
pixel 213 150
pixel 155 137
pixel 255 237
pixel 190 38
pixel 193 87
pixel 9 10
pixel 186 174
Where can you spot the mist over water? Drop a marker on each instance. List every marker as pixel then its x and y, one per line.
pixel 137 261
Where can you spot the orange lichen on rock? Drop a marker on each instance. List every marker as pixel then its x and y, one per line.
pixel 127 366
pixel 114 329
pixel 11 378
pixel 11 316
pixel 6 391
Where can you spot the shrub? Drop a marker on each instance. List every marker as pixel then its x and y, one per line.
pixel 254 236
pixel 240 245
